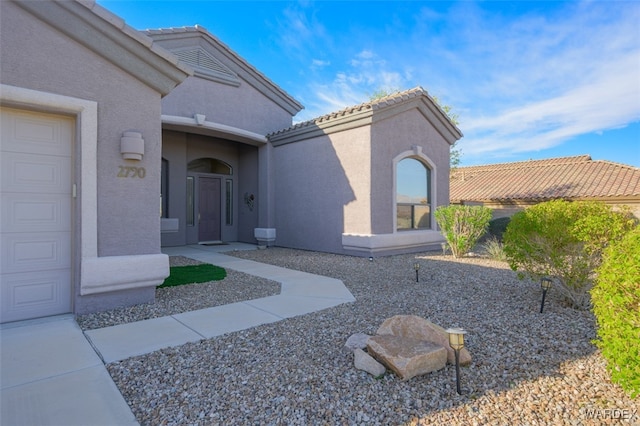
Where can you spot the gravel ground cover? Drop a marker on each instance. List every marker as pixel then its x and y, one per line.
pixel 236 287
pixel 528 368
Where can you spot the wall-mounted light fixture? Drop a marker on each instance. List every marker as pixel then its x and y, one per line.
pixel 132 145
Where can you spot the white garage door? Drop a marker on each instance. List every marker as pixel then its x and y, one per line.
pixel 35 214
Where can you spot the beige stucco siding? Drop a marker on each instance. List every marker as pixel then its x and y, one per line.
pixel 243 107
pixel 353 149
pixel 394 137
pixel 36 56
pixel 314 196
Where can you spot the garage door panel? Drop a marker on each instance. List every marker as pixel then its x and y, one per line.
pixel 29 295
pixel 35 251
pixel 36 133
pixel 23 213
pixel 35 216
pixel 35 173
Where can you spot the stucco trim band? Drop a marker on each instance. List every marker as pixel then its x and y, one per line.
pixel 147 270
pixel 199 125
pixel 373 243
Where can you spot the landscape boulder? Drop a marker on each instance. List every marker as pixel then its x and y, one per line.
pixel 356 341
pixel 415 327
pixel 405 356
pixel 365 362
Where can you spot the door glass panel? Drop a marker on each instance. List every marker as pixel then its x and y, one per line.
pixel 229 202
pixel 190 202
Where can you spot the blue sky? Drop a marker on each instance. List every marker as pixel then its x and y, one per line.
pixel 528 80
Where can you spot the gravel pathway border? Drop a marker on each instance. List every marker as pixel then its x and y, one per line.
pixel 235 287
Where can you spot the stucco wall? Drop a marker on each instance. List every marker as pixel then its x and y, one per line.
pixel 174 150
pixel 243 107
pixel 38 57
pixel 316 180
pixel 247 183
pixel 391 137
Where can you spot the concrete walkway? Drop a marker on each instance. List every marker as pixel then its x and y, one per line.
pixel 50 374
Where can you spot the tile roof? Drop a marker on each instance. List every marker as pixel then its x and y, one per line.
pixel 537 180
pixel 386 101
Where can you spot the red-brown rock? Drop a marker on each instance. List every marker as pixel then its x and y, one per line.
pixel 418 328
pixel 405 356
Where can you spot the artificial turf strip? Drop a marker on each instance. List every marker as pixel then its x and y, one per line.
pixel 179 275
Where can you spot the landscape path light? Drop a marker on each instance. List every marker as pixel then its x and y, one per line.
pixel 456 341
pixel 545 283
pixel 416 266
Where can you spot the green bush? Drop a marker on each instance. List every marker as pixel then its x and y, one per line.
pixel 462 226
pixel 616 305
pixel 564 240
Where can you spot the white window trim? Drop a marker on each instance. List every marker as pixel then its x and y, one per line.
pixel 416 153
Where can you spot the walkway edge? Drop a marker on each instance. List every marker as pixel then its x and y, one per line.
pixel 300 293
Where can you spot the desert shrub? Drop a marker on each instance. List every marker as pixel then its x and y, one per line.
pixel 462 226
pixel 616 305
pixel 497 227
pixel 494 249
pixel 564 240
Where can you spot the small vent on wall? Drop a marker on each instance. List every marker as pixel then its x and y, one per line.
pixel 206 65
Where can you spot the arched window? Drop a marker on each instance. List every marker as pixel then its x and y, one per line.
pixel 209 165
pixel 413 198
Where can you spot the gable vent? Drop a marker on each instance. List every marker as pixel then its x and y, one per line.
pixel 207 66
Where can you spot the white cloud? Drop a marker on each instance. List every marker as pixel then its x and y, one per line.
pixel 588 87
pixel 318 64
pixel 518 84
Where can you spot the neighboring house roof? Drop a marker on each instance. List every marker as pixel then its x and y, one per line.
pixel 363 114
pixel 577 177
pixel 224 69
pixel 110 37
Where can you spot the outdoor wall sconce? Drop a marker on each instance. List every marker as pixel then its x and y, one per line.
pixel 416 266
pixel 456 341
pixel 249 199
pixel 132 145
pixel 545 283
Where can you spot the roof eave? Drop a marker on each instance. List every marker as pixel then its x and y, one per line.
pixel 322 126
pixel 253 77
pixel 110 37
pixel 429 110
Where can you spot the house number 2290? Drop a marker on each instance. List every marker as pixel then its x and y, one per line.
pixel 132 172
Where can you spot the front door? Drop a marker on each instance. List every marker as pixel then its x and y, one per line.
pixel 35 217
pixel 209 209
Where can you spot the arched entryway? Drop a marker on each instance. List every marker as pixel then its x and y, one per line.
pixel 209 206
